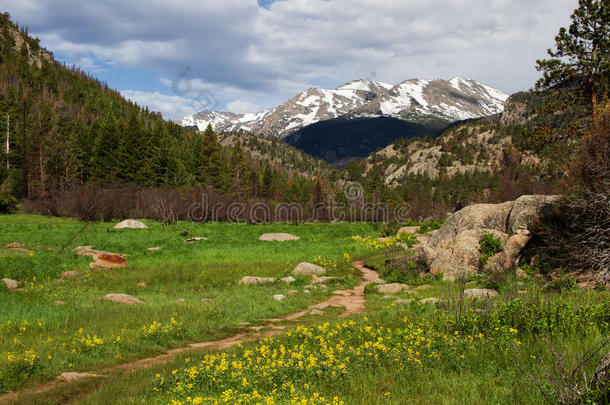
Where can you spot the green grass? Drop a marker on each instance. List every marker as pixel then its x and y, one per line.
pixel 63 337
pixel 448 353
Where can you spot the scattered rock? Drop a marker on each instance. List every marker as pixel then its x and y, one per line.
pixel 130 224
pixel 270 237
pixel 89 251
pixel 141 284
pixel 154 249
pixel 195 239
pixel 474 293
pixel 75 376
pixel 122 299
pixel 70 274
pixel 378 281
pixel 316 312
pixel 15 245
pixel 279 297
pixel 391 288
pixel 308 269
pixel 250 280
pixel 430 300
pixel 403 301
pixel 306 292
pixel 407 229
pixel 108 261
pixel 292 292
pixel 59 302
pixel 12 285
pixel 422 287
pixel 288 280
pixel 179 300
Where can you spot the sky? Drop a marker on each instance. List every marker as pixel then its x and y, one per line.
pixel 183 56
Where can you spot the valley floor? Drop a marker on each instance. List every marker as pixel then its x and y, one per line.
pixel 403 348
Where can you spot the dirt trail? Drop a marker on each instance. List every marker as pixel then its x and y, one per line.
pixel 352 299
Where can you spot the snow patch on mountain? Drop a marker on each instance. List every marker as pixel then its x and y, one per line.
pixel 414 99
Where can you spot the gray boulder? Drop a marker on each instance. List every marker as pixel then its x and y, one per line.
pixel 473 293
pixel 270 237
pixel 308 269
pixel 122 299
pixel 251 280
pixel 391 288
pixel 130 224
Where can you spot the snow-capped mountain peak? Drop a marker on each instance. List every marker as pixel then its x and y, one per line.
pixel 450 100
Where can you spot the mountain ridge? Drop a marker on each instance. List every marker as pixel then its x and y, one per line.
pixel 411 100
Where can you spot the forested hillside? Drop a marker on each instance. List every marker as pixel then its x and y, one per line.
pixel 66 130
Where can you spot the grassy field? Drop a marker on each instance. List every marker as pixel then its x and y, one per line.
pixel 191 291
pixel 452 352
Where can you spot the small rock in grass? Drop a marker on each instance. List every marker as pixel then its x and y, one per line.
pixel 306 292
pixel 473 293
pixel 195 239
pixel 391 288
pixel 207 299
pixel 271 237
pixel 287 280
pixel 407 230
pixel 292 292
pixel 141 284
pixel 70 274
pixel 122 299
pixel 389 297
pixel 108 261
pixel 403 301
pixel 308 269
pixel 243 324
pixel 430 300
pixel 154 249
pixel 422 287
pixel 130 224
pixel 12 285
pixel 180 300
pixel 59 302
pixel 316 312
pixel 279 297
pixel 248 280
pixel 15 245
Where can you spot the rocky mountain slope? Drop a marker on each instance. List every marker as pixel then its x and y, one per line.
pixel 412 100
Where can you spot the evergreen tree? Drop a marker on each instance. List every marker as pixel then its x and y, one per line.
pixel 583 51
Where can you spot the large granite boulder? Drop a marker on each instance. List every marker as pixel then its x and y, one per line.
pixel 454 250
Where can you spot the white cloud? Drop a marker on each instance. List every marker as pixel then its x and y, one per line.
pixel 172 107
pixel 239 51
pixel 241 106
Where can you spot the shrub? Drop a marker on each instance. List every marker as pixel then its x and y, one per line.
pixel 490 245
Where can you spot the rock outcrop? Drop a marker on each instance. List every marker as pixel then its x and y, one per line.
pixel 122 299
pixel 454 250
